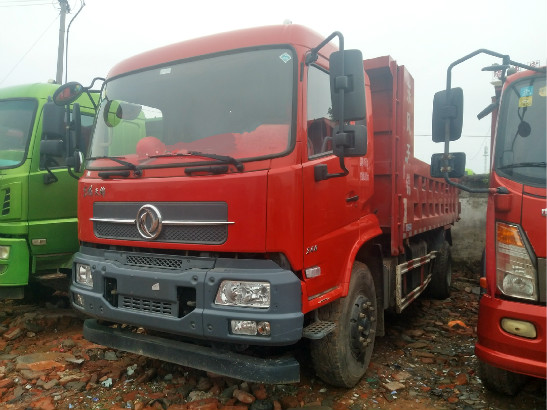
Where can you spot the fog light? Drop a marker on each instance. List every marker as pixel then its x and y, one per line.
pixel 83 275
pixel 244 327
pixel 78 299
pixel 264 328
pixel 4 252
pixel 241 293
pixel 519 328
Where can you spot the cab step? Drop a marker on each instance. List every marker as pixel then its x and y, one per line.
pixel 318 329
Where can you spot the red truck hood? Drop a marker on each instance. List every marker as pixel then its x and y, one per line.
pixel 239 199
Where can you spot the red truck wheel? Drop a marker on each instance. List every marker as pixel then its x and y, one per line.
pixel 441 277
pixel 499 380
pixel 342 357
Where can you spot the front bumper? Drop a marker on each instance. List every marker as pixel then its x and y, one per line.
pixel 14 271
pixel 282 370
pixel 507 351
pixel 175 295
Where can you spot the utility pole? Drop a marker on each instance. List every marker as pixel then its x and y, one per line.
pixel 65 8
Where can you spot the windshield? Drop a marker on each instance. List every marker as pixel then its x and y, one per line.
pixel 16 121
pixel 520 144
pixel 237 105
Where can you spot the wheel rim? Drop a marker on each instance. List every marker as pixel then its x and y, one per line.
pixel 361 327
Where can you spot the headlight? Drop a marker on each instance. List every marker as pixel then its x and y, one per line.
pixel 239 293
pixel 516 275
pixel 4 252
pixel 83 275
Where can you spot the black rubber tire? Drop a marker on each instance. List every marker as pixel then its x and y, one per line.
pixel 500 380
pixel 342 357
pixel 441 277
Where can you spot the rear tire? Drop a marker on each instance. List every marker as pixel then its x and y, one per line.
pixel 441 275
pixel 500 380
pixel 342 357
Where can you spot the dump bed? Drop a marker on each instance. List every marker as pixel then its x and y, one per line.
pixel 407 200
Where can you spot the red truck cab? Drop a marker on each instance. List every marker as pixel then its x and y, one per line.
pixel 232 206
pixel 512 315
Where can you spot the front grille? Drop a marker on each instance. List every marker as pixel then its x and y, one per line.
pixel 147 305
pixel 7 201
pixel 183 222
pixel 153 261
pixel 205 234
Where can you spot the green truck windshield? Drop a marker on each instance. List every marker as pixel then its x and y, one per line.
pixel 16 122
pixel 520 141
pixel 238 105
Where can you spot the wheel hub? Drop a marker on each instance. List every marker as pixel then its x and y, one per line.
pixel 361 326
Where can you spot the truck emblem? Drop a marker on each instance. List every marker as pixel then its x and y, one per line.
pixel 149 221
pixel 156 286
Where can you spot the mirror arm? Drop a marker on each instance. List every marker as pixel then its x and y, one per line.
pixel 72 174
pixel 312 56
pixel 498 190
pixel 50 177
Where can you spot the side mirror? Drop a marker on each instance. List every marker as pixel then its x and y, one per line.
pixel 453 164
pixel 116 110
pixel 52 148
pixel 68 93
pixel 447 107
pixel 352 142
pixel 347 74
pixel 76 161
pixel 53 122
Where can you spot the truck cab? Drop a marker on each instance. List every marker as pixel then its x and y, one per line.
pixel 38 225
pixel 511 329
pixel 511 326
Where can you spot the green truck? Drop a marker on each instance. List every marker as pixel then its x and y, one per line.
pixel 38 224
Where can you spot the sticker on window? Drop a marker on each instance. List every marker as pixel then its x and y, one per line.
pixel 285 57
pixel 525 102
pixel 527 91
pixel 543 91
pixel 164 71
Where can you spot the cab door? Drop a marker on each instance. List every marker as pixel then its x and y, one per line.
pixel 53 227
pixel 331 206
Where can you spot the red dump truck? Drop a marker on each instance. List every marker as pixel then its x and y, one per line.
pixel 248 190
pixel 511 341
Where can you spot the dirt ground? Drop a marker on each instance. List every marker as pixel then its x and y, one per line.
pixel 425 361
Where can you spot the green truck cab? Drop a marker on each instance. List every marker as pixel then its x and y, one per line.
pixel 38 224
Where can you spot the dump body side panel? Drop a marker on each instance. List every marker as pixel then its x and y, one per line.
pixel 407 200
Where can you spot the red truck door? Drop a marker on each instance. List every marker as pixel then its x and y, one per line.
pixel 330 205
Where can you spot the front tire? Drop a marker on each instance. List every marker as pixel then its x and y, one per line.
pixel 342 357
pixel 500 380
pixel 441 275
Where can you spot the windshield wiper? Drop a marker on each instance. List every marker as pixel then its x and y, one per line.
pixel 523 165
pixel 223 158
pixel 136 170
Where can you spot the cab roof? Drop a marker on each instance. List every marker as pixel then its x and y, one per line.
pixel 252 37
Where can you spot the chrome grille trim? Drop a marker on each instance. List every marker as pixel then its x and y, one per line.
pixel 180 222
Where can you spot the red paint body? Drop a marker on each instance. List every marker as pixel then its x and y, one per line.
pixel 522 206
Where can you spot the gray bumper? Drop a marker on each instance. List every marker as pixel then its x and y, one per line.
pixel 176 295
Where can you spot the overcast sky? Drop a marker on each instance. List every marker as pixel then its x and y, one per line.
pixel 424 35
